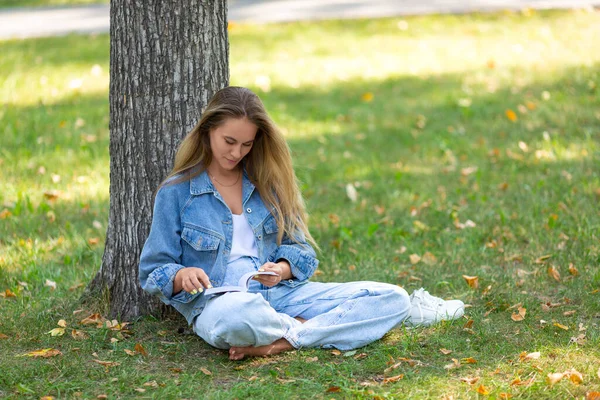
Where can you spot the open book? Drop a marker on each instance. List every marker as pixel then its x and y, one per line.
pixel 242 286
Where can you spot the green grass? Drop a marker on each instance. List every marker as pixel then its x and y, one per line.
pixel 48 3
pixel 433 148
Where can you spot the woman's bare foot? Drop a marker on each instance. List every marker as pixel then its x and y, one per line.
pixel 278 346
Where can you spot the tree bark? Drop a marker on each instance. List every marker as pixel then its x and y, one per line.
pixel 167 58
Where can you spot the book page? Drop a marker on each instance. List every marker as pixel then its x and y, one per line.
pixel 243 283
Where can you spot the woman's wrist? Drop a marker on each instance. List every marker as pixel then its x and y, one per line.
pixel 286 269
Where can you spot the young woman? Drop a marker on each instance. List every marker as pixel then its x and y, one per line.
pixel 231 205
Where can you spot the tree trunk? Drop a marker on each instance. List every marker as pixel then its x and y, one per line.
pixel 167 58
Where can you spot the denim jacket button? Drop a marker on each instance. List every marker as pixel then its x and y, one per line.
pixel 259 237
pixel 248 210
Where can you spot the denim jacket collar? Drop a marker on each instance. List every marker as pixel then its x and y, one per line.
pixel 202 184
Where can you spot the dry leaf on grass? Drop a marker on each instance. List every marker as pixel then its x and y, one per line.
pixel 108 363
pixel 57 332
pixel 94 319
pixel 553 273
pixel 44 353
pixel 205 371
pixel 519 315
pixel 414 258
pixel 78 335
pixel 561 326
pixel 351 192
pixel 511 115
pixel 524 356
pixel 542 259
pixel 140 349
pixel 483 390
pixel 472 281
pixel 7 294
pixel 393 378
pixel 572 270
pixel 553 378
pixel 470 381
pixel 429 259
pixel 575 376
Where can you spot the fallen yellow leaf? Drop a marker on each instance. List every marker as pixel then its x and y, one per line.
pixel 7 294
pixel 57 332
pixel 78 335
pixel 140 349
pixel 520 315
pixel 592 396
pixel 470 381
pixel 483 390
pixel 94 319
pixel 414 258
pixel 572 270
pixel 50 284
pixel 393 378
pixel 45 353
pixel 367 97
pixel 552 378
pixel 542 259
pixel 530 356
pixel 561 326
pixel 472 281
pixel 107 363
pixel 445 351
pixel 205 371
pixel 429 259
pixel 553 273
pixel 575 376
pixel 504 396
pixel 511 115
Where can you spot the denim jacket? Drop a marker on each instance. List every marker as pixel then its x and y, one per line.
pixel 192 227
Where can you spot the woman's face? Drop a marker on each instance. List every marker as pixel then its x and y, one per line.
pixel 230 142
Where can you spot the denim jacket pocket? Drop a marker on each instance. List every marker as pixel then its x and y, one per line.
pixel 203 245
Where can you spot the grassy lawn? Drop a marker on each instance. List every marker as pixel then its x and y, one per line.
pixel 48 3
pixel 473 143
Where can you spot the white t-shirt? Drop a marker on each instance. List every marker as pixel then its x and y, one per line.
pixel 243 243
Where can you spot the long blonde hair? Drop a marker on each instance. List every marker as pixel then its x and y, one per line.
pixel 268 164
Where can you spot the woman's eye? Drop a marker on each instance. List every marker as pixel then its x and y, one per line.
pixel 228 142
pixel 247 144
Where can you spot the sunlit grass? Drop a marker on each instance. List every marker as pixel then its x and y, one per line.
pixel 412 112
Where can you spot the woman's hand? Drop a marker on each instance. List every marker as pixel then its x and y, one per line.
pixel 191 279
pixel 282 269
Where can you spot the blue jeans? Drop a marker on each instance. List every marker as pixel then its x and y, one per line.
pixel 339 315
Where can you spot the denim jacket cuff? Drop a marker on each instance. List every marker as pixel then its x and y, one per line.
pixel 160 282
pixel 302 265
